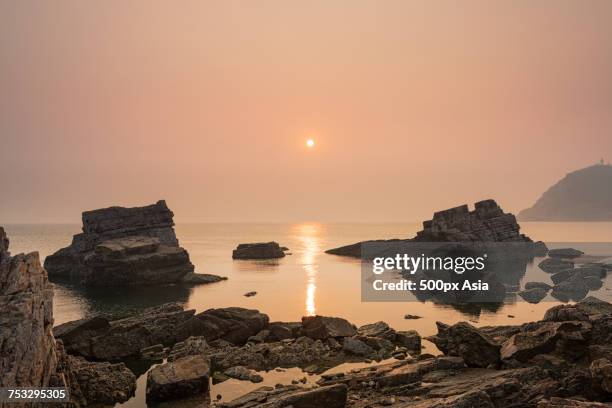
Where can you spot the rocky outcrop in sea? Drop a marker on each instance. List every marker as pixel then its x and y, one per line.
pixel 487 223
pixel 124 247
pixel 30 356
pixel 259 250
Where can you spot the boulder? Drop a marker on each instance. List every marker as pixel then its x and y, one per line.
pixel 553 265
pixel 378 329
pixel 539 339
pixel 284 330
pixel 464 340
pixel 323 327
pixel 181 378
pixel 232 324
pixel 409 339
pixel 582 272
pixel 534 295
pixel 258 250
pixel 122 247
pixel 574 288
pixel 565 253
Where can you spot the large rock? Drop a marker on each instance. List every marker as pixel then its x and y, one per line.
pixel 30 356
pixel 601 371
pixel 323 327
pixel 232 324
pixel 565 253
pixel 123 246
pixel 486 223
pixel 258 250
pixel 464 340
pixel 554 265
pixel 533 295
pixel 181 378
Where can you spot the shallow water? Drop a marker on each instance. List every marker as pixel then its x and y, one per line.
pixel 305 283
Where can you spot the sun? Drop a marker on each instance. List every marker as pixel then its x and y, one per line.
pixel 310 143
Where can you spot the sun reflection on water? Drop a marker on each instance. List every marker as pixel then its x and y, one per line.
pixel 308 234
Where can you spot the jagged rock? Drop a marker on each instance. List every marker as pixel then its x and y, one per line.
pixel 466 341
pixel 201 278
pixel 124 246
pixel 333 396
pixel 564 253
pixel 195 345
pixel 554 265
pixel 259 250
pixel 181 378
pixel 534 295
pixel 486 223
pixel 538 285
pixel 323 327
pixel 244 374
pixel 101 382
pixel 574 288
pixel 542 339
pixel 582 272
pixel 30 355
pixel 99 339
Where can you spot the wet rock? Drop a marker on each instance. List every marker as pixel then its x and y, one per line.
pixel 201 278
pixel 411 317
pixel 244 374
pixel 574 288
pixel 583 272
pixel 564 253
pixel 195 345
pixel 323 327
pixel 553 265
pixel 538 285
pixel 250 294
pixel 182 378
pixel 464 340
pixel 259 250
pixel 534 295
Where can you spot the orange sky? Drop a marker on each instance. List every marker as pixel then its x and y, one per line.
pixel 415 106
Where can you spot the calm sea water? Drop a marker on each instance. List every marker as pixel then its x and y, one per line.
pixel 305 283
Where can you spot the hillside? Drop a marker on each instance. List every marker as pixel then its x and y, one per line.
pixel 583 195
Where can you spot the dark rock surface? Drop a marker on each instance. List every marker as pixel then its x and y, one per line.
pixel 582 195
pixel 333 396
pixel 123 247
pixel 29 354
pixel 554 265
pixel 258 250
pixel 534 295
pixel 463 340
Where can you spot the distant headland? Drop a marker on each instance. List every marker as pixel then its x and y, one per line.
pixel 582 195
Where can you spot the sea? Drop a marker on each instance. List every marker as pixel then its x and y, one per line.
pixel 306 282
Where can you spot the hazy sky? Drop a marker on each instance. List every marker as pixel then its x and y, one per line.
pixel 415 106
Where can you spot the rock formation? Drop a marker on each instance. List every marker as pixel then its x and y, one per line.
pixel 486 223
pixel 259 250
pixel 582 195
pixel 29 354
pixel 125 246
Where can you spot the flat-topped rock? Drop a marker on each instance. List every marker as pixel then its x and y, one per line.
pixel 125 247
pixel 258 250
pixel 565 253
pixel 181 378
